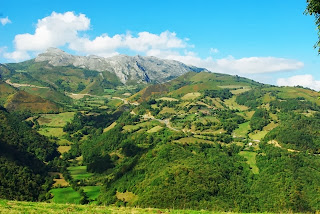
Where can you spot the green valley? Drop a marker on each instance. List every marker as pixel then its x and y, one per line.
pixel 202 141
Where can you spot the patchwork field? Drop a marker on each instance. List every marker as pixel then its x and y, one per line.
pixel 231 103
pixel 79 172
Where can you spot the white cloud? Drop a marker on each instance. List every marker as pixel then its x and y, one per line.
pixel 230 65
pixel 62 30
pixel 17 56
pixel 144 42
pixel 53 31
pixel 306 80
pixel 214 51
pixel 5 21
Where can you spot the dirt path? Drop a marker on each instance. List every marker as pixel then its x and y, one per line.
pixel 165 121
pixel 17 85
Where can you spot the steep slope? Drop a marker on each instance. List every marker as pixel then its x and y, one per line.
pixel 212 141
pixel 17 100
pixel 23 174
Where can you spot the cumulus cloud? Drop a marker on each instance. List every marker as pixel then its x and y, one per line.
pixel 17 55
pixel 53 31
pixel 5 21
pixel 105 45
pixel 62 30
pixel 306 80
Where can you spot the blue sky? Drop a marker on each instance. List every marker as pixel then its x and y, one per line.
pixel 269 41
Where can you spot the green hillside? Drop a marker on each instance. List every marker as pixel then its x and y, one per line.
pixel 60 78
pixel 207 141
pixel 18 100
pixel 23 174
pixel 221 142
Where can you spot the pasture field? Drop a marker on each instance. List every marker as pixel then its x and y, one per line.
pixel 240 90
pixel 155 129
pixel 270 126
pixel 65 196
pixel 216 102
pixel 49 131
pixel 56 120
pixel 242 130
pixel 230 86
pixel 110 127
pixel 55 132
pixel 92 192
pixel 148 124
pixel 63 149
pixel 167 110
pixel 167 99
pixel 114 103
pixel 79 172
pixel 191 96
pixel 249 114
pixel 251 160
pixel 258 135
pixel 234 105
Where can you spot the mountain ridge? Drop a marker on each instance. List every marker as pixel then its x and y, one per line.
pixel 140 68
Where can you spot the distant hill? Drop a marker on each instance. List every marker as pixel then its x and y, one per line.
pixel 64 72
pixel 17 100
pixel 194 82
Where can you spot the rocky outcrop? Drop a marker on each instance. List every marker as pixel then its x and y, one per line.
pixel 135 68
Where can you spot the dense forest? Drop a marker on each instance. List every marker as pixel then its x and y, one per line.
pixel 23 174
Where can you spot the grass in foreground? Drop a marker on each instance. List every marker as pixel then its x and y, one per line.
pixel 41 207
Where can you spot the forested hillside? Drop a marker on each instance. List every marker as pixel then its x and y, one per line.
pixel 23 174
pixel 201 141
pixel 206 141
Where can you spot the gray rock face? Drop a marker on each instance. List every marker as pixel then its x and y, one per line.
pixel 136 68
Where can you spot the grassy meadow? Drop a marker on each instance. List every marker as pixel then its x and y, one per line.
pixel 79 172
pixel 13 207
pixel 251 160
pixel 65 195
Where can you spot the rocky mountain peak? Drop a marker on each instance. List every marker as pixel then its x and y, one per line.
pixel 137 68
